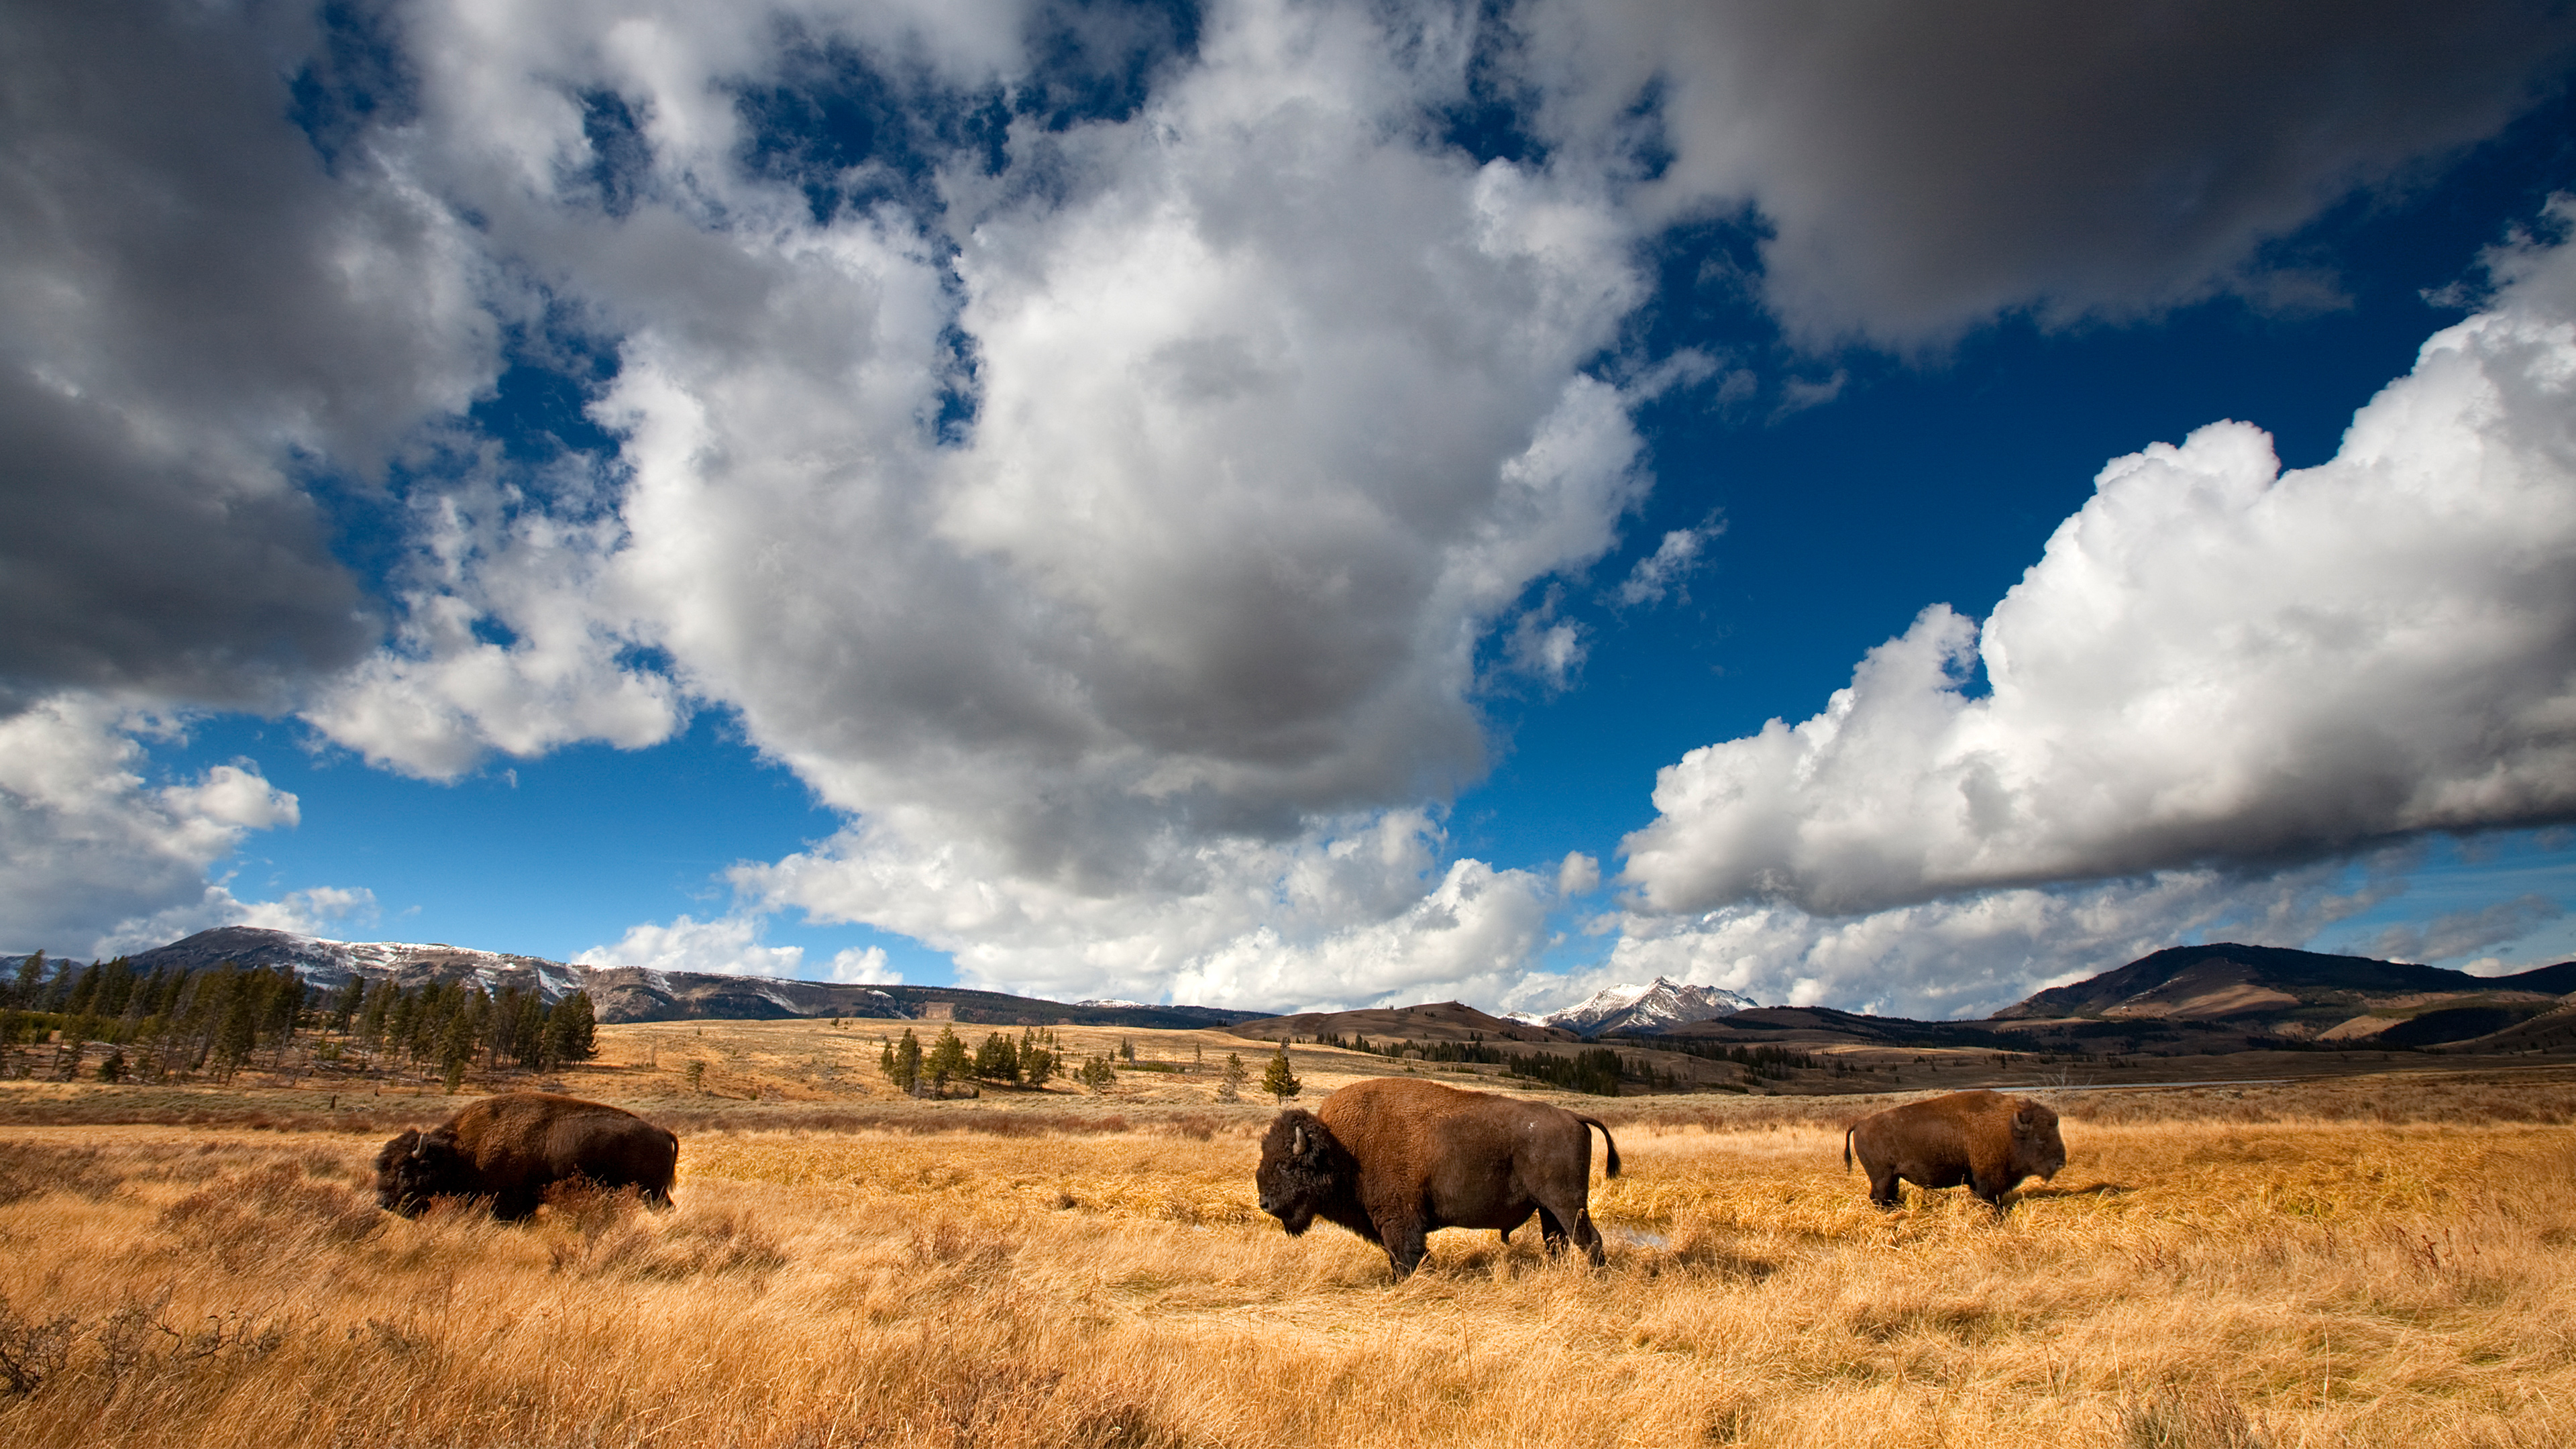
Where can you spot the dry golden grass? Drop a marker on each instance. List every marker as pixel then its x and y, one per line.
pixel 2190 1280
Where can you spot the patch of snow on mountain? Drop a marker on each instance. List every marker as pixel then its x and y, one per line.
pixel 1108 1001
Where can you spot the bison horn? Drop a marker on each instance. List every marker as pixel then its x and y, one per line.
pixel 1297 1143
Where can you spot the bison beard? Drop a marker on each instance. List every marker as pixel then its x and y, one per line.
pixel 1986 1140
pixel 510 1148
pixel 1392 1160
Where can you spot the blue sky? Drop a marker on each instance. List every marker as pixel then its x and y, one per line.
pixel 1293 505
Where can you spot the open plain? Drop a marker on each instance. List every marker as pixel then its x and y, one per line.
pixel 2375 1258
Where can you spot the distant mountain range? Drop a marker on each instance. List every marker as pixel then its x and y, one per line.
pixel 2208 982
pixel 625 993
pixel 2187 1000
pixel 1658 1006
pixel 2193 1000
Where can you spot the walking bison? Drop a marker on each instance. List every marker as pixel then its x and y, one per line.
pixel 512 1147
pixel 1391 1159
pixel 1984 1139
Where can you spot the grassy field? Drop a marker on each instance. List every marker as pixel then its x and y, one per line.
pixel 2372 1260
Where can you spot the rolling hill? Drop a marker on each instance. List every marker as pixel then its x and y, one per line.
pixel 1432 1021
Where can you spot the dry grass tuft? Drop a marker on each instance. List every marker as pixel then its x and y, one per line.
pixel 2176 1418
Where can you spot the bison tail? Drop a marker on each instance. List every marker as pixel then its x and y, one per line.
pixel 1610 1166
pixel 1847 1139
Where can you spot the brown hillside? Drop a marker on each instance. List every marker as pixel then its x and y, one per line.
pixel 1431 1021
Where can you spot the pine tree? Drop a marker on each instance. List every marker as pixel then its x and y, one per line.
pixel 30 979
pixel 464 1033
pixel 1278 1081
pixel 344 1007
pixel 115 988
pixel 402 1008
pixel 237 1032
pixel 59 990
pixel 946 1059
pixel 572 1029
pixel 84 993
pixel 1097 1074
pixel 1036 1062
pixel 903 1061
pixel 998 1059
pixel 281 1004
pixel 1229 1083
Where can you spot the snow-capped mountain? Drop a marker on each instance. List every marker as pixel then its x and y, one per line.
pixel 330 964
pixel 634 993
pixel 1660 1005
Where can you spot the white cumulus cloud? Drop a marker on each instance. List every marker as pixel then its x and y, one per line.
pixel 86 842
pixel 2213 661
pixel 1973 955
pixel 727 946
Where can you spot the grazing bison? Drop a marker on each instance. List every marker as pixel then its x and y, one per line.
pixel 1984 1139
pixel 1393 1158
pixel 512 1147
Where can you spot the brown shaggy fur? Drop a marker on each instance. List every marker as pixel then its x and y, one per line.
pixel 1983 1139
pixel 512 1147
pixel 1393 1158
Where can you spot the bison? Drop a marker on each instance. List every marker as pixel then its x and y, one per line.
pixel 512 1147
pixel 1984 1139
pixel 1393 1158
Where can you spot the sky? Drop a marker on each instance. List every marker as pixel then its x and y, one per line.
pixel 1291 504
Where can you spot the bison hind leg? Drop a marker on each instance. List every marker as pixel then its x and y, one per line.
pixel 1561 1227
pixel 1584 1235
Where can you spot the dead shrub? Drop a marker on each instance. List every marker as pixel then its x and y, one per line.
pixel 32 1351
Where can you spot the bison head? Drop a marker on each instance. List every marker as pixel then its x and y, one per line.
pixel 1304 1170
pixel 2037 1149
pixel 415 1167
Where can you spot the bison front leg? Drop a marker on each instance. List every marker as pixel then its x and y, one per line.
pixel 1407 1242
pixel 1407 1249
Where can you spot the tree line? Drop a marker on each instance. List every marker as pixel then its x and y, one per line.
pixel 1029 1060
pixel 1474 1050
pixel 182 1021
